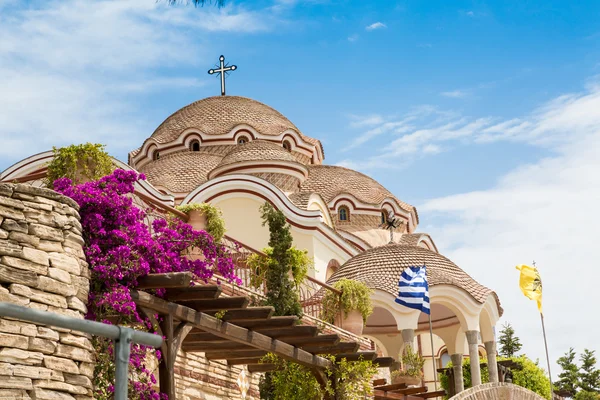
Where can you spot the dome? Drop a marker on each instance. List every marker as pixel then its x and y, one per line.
pixel 329 181
pixel 257 150
pixel 380 268
pixel 218 115
pixel 180 172
pixel 266 160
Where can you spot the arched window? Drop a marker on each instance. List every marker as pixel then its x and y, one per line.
pixel 155 155
pixel 195 146
pixel 343 213
pixel 242 140
pixel 287 145
pixel 445 359
pixel 384 217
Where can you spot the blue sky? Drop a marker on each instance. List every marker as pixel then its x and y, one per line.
pixel 485 115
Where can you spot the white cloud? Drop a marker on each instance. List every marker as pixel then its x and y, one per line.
pixel 548 126
pixel 545 210
pixel 457 94
pixel 70 68
pixel 353 38
pixel 376 25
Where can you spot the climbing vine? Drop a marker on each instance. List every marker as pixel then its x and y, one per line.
pixel 215 224
pixel 120 249
pixel 87 161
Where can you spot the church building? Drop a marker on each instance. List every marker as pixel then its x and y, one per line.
pixel 236 154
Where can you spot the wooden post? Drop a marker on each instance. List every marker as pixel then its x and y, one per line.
pixel 174 339
pixel 165 372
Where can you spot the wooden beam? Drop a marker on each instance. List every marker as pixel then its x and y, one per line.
pixel 199 292
pixel 203 337
pixel 167 280
pixel 358 356
pixel 273 322
pixel 430 395
pixel 379 395
pixel 292 332
pixel 211 346
pixel 230 331
pixel 244 361
pixel 257 313
pixel 410 390
pixel 220 304
pixel 383 362
pixel 342 347
pixel 261 368
pixel 319 340
pixel 393 386
pixel 234 354
pixel 379 382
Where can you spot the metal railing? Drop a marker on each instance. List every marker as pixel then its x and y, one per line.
pixel 122 336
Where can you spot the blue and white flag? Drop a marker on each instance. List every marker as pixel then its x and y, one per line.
pixel 414 290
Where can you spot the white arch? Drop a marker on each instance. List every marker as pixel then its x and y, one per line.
pixel 239 185
pixel 464 306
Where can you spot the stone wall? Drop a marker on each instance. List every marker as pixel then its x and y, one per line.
pixel 42 266
pixel 197 378
pixel 497 391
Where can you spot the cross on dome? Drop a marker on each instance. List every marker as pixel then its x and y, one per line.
pixel 222 70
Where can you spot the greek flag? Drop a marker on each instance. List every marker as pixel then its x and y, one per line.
pixel 414 290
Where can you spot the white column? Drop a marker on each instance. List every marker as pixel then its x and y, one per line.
pixel 408 337
pixel 490 349
pixel 473 341
pixel 459 384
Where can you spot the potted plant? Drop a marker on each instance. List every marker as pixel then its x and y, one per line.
pixel 350 309
pixel 411 371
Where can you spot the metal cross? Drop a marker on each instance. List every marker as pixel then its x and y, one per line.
pixel 534 263
pixel 222 71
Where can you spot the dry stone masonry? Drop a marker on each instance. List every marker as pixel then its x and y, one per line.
pixel 42 266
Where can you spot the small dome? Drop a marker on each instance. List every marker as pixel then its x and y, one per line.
pixel 331 180
pixel 264 159
pixel 257 150
pixel 380 268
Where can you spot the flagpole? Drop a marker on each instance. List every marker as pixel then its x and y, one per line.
pixel 547 357
pixel 432 353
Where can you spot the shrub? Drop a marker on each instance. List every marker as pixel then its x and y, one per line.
pixel 355 296
pixel 531 377
pixel 90 161
pixel 120 249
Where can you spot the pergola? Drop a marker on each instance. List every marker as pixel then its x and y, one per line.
pixel 198 319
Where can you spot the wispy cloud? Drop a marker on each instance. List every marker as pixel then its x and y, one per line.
pixel 376 25
pixel 521 218
pixel 456 94
pixel 429 130
pixel 70 68
pixel 353 38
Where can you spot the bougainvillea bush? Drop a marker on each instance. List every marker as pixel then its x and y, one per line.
pixel 120 248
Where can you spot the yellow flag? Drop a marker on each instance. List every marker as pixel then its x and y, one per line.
pixel 531 284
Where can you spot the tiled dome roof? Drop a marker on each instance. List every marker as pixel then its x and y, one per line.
pixel 257 150
pixel 380 268
pixel 330 181
pixel 180 172
pixel 219 114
